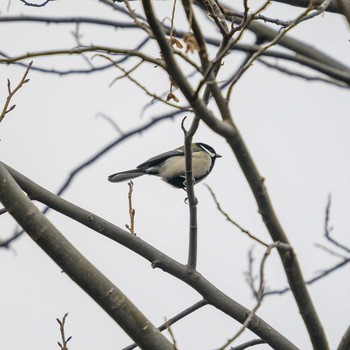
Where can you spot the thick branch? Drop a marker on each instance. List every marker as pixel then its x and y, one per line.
pixel 230 132
pixel 209 292
pixel 334 7
pixel 345 341
pixel 77 267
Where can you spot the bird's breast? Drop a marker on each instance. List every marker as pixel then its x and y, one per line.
pixel 175 166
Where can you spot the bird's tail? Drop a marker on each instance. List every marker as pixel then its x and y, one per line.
pixel 125 175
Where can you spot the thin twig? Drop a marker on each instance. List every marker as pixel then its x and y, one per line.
pixel 6 243
pixel 111 121
pixel 228 218
pixel 250 278
pixel 89 70
pixel 172 336
pixel 136 19
pixel 176 318
pixel 217 15
pixel 36 5
pixel 76 171
pixel 302 75
pixel 131 228
pixel 314 279
pixel 6 109
pixel 330 251
pixel 80 50
pixel 260 296
pixel 328 229
pixel 142 87
pixel 63 345
pixel 265 47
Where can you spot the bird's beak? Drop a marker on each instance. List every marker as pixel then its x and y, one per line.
pixel 218 156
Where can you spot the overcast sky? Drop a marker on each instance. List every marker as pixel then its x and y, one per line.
pixel 297 132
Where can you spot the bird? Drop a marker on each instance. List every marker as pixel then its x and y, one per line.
pixel 170 166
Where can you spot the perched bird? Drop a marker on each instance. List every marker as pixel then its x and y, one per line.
pixel 170 166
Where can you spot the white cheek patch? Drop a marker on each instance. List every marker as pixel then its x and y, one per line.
pixel 208 151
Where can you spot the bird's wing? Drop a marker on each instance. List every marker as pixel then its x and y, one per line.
pixel 156 160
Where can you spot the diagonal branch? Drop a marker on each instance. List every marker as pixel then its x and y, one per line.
pixel 209 292
pixel 345 341
pixel 176 318
pixel 6 109
pixel 77 267
pixel 231 133
pixel 248 344
pixel 228 218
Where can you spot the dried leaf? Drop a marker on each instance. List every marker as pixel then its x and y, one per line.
pixel 191 42
pixel 176 42
pixel 171 96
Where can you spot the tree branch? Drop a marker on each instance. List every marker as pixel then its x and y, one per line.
pixel 158 259
pixel 77 267
pixel 230 132
pixel 192 201
pixel 6 109
pixel 174 319
pixel 345 341
pixel 248 344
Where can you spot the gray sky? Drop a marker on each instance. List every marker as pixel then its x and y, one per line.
pixel 297 132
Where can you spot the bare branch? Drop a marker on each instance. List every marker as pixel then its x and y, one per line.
pixel 104 150
pixel 344 9
pixel 79 71
pixel 75 265
pixel 176 318
pixel 78 51
pixel 260 293
pixel 333 7
pixel 158 259
pixel 172 336
pixel 304 76
pixel 328 229
pixel 314 279
pixel 35 5
pixel 266 34
pixel 136 19
pixel 265 47
pixel 131 228
pixel 228 218
pixel 6 243
pixel 65 340
pixel 142 87
pixel 216 14
pixel 248 344
pixel 192 201
pixel 6 109
pixel 345 341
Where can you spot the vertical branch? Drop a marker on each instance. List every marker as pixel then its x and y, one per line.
pixel 192 201
pixel 131 228
pixel 65 341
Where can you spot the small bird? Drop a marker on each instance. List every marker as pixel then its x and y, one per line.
pixel 170 166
